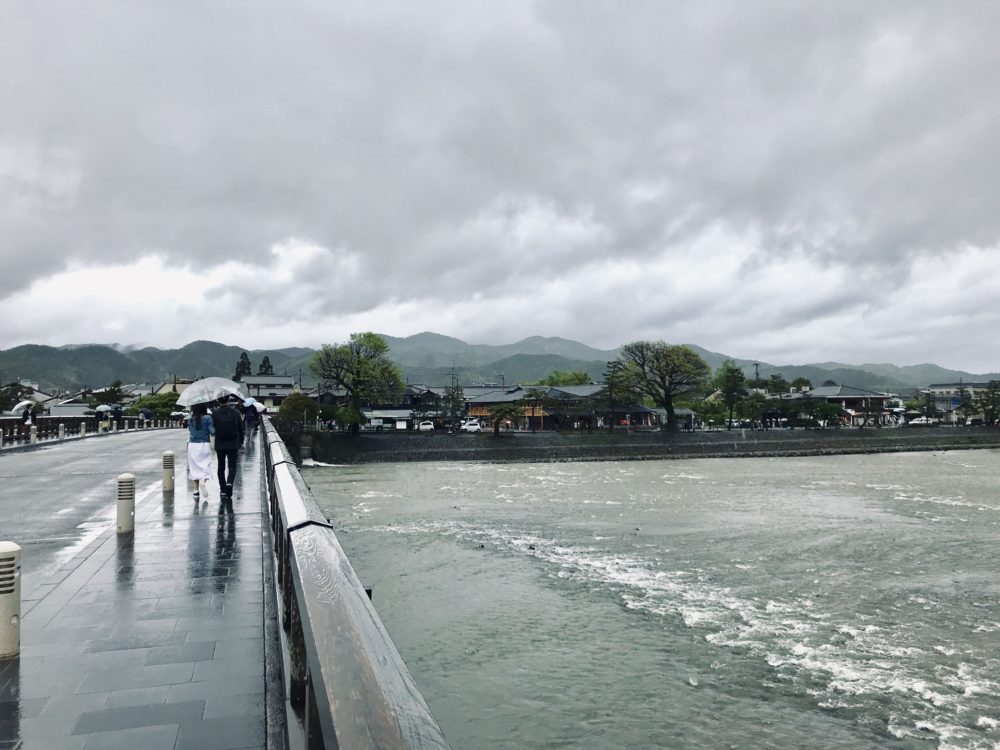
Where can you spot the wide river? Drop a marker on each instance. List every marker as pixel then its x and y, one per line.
pixel 828 602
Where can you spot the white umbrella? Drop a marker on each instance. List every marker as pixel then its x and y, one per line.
pixel 254 403
pixel 21 406
pixel 102 407
pixel 206 390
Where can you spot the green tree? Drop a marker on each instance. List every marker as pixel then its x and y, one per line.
pixel 778 384
pixel 298 407
pixel 161 404
pixel 363 369
pixel 753 407
pixel 453 400
pixel 243 367
pixel 730 381
pixel 537 399
pixel 826 412
pixel 966 404
pixel 802 384
pixel 558 377
pixel 266 368
pixel 13 393
pixel 510 411
pixel 665 371
pixel 429 407
pixel 989 402
pixel 930 409
pixel 113 394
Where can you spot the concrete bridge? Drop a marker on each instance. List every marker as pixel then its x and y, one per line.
pixel 176 635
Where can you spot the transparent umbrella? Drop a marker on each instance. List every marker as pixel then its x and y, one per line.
pixel 102 407
pixel 20 406
pixel 206 390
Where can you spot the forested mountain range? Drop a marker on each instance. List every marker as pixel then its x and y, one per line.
pixel 425 358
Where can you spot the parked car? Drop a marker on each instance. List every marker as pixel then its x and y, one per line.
pixel 425 426
pixel 922 420
pixel 471 425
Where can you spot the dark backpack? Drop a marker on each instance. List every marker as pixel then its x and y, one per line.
pixel 226 424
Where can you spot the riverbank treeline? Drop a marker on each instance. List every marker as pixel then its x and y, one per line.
pixel 344 448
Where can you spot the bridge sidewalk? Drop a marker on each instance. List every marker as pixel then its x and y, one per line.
pixel 158 639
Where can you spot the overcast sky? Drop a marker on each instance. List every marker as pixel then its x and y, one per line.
pixel 786 181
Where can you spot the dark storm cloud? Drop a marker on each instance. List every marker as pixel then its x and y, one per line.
pixel 433 152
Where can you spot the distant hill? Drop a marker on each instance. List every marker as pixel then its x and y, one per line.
pixel 425 358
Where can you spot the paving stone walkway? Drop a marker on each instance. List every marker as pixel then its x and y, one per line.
pixel 156 639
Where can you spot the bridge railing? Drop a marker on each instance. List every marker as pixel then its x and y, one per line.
pixel 347 681
pixel 14 432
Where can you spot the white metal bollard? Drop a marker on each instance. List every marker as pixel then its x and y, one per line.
pixel 62 431
pixel 10 600
pixel 168 471
pixel 34 434
pixel 83 429
pixel 126 503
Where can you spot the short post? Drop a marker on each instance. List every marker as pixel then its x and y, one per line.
pixel 168 471
pixel 126 503
pixel 62 431
pixel 83 428
pixel 34 434
pixel 10 600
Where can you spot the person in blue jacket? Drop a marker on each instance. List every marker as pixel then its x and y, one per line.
pixel 200 431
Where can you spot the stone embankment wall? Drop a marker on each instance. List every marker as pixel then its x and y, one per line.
pixel 342 448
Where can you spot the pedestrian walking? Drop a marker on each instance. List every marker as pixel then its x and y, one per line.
pixel 27 419
pixel 200 430
pixel 228 439
pixel 251 420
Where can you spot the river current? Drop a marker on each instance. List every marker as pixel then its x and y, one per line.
pixel 825 602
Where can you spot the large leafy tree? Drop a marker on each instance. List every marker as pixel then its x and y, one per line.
pixel 665 371
pixel 243 367
pixel 731 382
pixel 363 369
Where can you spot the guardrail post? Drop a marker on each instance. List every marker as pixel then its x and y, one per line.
pixel 62 431
pixel 126 503
pixel 34 434
pixel 10 600
pixel 168 471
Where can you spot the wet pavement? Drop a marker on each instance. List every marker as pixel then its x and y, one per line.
pixel 154 639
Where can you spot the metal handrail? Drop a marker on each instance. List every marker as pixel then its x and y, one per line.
pixel 346 675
